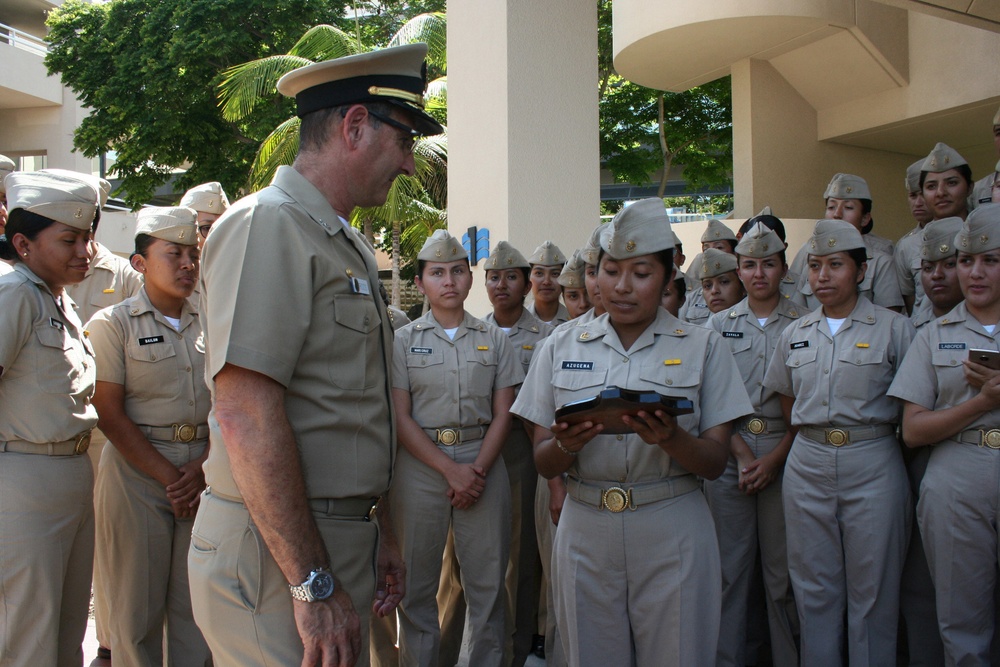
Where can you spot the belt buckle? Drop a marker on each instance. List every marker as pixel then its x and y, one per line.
pixel 184 432
pixel 82 443
pixel 374 508
pixel 447 436
pixel 616 499
pixel 837 437
pixel 990 438
pixel 756 426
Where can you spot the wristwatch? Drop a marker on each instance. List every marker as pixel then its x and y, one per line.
pixel 319 586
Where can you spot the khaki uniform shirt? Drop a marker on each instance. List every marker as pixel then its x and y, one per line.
pixel 922 315
pixel 879 285
pixel 932 375
pixel 841 380
pixel 48 365
pixel 451 382
pixel 907 264
pixel 5 268
pixel 525 336
pixel 982 191
pixel 161 369
pixel 562 315
pixel 753 346
pixel 289 292
pixel 695 309
pixel 671 357
pixel 109 280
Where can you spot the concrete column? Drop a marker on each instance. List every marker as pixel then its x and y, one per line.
pixel 523 157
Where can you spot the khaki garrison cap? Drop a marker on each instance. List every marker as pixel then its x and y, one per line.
pixel 505 256
pixel 937 240
pixel 102 186
pixel 942 158
pixel 642 228
pixel 847 186
pixel 206 198
pixel 592 250
pixel 70 200
pixel 913 177
pixel 830 236
pixel 547 254
pixel 177 224
pixel 715 262
pixel 760 241
pixel 716 231
pixel 981 230
pixel 397 76
pixel 7 166
pixel 572 273
pixel 442 247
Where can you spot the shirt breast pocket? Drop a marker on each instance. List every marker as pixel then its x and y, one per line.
pixel 59 361
pixel 680 381
pixel 861 374
pixel 577 385
pixel 802 368
pixel 950 373
pixel 740 347
pixel 151 370
pixel 355 337
pixel 482 370
pixel 426 372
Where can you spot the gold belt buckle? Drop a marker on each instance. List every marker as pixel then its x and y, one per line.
pixel 82 443
pixel 837 437
pixel 447 436
pixel 616 499
pixel 990 438
pixel 756 426
pixel 184 432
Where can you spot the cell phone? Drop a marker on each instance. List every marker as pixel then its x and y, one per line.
pixel 988 358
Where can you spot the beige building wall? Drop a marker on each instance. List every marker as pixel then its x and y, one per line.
pixel 522 124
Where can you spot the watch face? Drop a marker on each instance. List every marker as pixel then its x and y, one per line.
pixel 321 585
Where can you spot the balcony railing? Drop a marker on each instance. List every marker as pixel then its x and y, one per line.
pixel 22 40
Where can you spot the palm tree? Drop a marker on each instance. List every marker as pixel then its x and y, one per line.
pixel 419 199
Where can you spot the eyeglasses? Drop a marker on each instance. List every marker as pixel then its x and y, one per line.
pixel 204 230
pixel 409 140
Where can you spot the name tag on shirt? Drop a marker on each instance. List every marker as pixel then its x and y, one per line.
pixel 732 334
pixel 56 324
pixel 150 340
pixel 421 350
pixel 360 286
pixel 801 344
pixel 951 346
pixel 578 365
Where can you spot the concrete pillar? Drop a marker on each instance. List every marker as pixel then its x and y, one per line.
pixel 523 156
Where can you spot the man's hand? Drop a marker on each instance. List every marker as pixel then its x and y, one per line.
pixel 330 631
pixel 390 587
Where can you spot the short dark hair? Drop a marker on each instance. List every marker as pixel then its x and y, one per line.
pixel 859 255
pixel 20 221
pixel 314 129
pixel 142 243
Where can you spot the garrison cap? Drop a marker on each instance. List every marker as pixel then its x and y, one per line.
pixel 505 256
pixel 206 198
pixel 642 228
pixel 547 254
pixel 980 231
pixel 572 273
pixel 847 186
pixel 715 262
pixel 942 158
pixel 913 177
pixel 7 166
pixel 397 75
pixel 716 231
pixel 442 247
pixel 102 186
pixel 69 199
pixel 937 240
pixel 592 250
pixel 768 219
pixel 760 241
pixel 830 236
pixel 177 224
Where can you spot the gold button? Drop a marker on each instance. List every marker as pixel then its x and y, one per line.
pixel 824 402
pixel 624 360
pixel 669 381
pixel 620 436
pixel 188 369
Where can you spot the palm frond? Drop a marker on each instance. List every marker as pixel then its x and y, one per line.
pixel 431 28
pixel 279 148
pixel 247 85
pixel 324 42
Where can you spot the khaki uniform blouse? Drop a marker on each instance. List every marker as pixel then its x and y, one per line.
pixel 110 280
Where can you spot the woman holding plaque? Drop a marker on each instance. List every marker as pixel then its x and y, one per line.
pixel 637 576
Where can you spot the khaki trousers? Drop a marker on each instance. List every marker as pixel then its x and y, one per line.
pixel 46 558
pixel 545 531
pixel 142 557
pixel 422 515
pixel 638 587
pixel 101 612
pixel 240 597
pixel 745 524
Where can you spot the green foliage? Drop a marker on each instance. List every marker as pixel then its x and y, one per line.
pixel 148 69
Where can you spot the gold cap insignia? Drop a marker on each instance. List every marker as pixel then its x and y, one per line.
pixel 984 239
pixel 944 248
pixel 79 213
pixel 832 243
pixel 437 253
pixel 510 260
pixel 454 250
pixel 181 234
pixel 630 246
pixel 849 189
